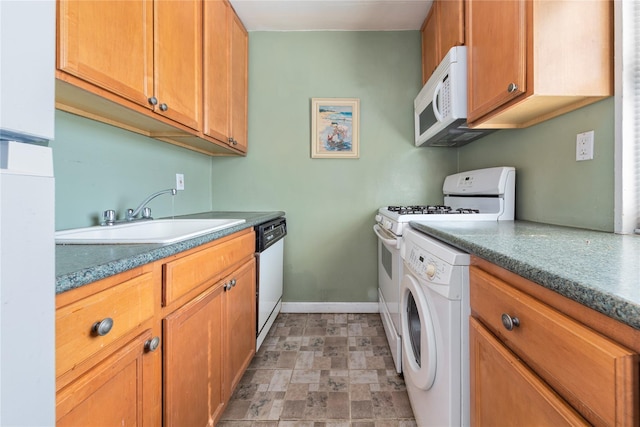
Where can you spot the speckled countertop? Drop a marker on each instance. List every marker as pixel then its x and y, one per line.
pixel 599 270
pixel 78 265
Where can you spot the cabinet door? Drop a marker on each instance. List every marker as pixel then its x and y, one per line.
pixel 124 389
pixel 109 44
pixel 430 43
pixel 178 61
pixel 451 17
pixel 217 69
pixel 504 392
pixel 240 314
pixel 239 83
pixel 193 363
pixel 497 54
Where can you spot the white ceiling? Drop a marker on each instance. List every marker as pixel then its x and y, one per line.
pixel 326 15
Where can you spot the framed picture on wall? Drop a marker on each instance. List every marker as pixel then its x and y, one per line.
pixel 335 128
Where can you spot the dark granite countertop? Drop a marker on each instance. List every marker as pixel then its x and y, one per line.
pixel 78 265
pixel 597 269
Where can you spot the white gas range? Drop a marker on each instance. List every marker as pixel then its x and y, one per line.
pixel 477 195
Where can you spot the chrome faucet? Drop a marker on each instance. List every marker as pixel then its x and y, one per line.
pixel 109 216
pixel 146 212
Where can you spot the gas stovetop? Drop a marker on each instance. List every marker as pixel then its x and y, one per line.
pixel 430 210
pixel 479 195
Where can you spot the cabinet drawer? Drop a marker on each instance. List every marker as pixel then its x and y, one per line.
pixel 595 375
pixel 497 370
pixel 128 304
pixel 187 273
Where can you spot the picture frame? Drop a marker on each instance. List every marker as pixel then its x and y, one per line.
pixel 335 126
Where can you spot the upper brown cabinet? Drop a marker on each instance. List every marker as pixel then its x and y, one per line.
pixel 148 52
pixel 109 46
pixel 442 29
pixel 178 61
pixel 139 65
pixel 225 75
pixel 531 60
pixel 239 86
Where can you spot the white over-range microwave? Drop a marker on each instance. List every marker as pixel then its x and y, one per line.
pixel 441 105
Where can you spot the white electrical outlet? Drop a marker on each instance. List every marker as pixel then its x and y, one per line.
pixel 584 146
pixel 179 181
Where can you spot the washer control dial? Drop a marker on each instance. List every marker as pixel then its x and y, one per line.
pixel 431 270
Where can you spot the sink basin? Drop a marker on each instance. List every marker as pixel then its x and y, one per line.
pixel 152 231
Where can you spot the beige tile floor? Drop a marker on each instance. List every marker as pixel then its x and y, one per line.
pixel 321 370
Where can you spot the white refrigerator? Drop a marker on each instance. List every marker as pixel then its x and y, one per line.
pixel 27 245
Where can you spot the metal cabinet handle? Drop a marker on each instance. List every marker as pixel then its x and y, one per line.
pixel 153 100
pixel 152 344
pixel 234 142
pixel 510 322
pixel 102 327
pixel 512 87
pixel 230 284
pixel 164 107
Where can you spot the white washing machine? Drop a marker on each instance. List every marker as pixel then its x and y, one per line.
pixel 434 297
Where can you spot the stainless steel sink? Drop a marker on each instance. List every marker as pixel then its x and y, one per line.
pixel 152 231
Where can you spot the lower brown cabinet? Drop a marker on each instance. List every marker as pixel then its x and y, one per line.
pixel 193 362
pixel 508 393
pixel 240 324
pixel 127 354
pixel 208 344
pixel 121 390
pixel 108 365
pixel 537 358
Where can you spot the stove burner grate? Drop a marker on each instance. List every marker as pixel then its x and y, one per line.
pixel 430 209
pixel 466 211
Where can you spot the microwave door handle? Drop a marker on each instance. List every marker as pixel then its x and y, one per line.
pixel 434 102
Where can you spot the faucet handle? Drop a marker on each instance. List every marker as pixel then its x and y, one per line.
pixel 109 217
pixel 146 213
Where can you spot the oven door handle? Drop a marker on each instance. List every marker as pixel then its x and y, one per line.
pixel 382 235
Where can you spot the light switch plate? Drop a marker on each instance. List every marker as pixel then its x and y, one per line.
pixel 179 181
pixel 584 146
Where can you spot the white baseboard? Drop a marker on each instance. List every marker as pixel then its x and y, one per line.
pixel 329 307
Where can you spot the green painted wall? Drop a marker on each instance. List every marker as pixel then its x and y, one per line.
pixel 99 167
pixel 331 249
pixel 551 187
pixel 330 252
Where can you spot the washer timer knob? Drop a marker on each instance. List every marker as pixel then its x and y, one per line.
pixel 431 271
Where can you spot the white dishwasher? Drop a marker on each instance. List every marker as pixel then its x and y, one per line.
pixel 270 261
